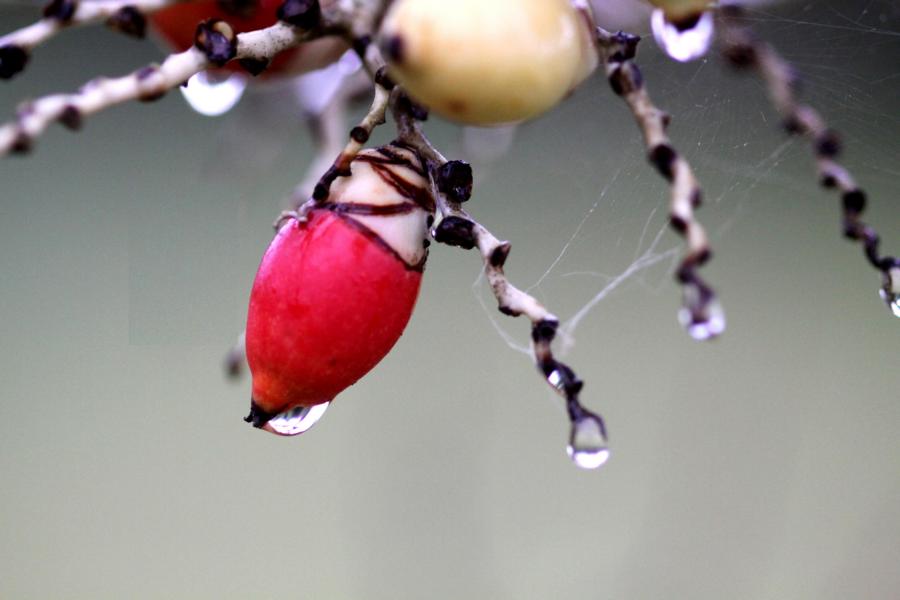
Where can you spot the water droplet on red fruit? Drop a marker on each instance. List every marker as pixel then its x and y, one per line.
pixel 335 290
pixel 296 420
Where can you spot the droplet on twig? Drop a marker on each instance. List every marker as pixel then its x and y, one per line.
pixel 213 94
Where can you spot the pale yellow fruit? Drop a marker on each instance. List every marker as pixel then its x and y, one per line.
pixel 486 62
pixel 680 10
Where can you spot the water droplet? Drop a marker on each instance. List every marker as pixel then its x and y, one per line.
pixel 296 420
pixel 682 44
pixel 587 442
pixel 214 94
pixel 892 299
pixel 316 90
pixel 704 322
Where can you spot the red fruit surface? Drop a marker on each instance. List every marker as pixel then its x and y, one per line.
pixel 177 24
pixel 328 303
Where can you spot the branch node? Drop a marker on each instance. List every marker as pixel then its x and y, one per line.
pixel 304 14
pixel 217 40
pixel 12 61
pixel 130 21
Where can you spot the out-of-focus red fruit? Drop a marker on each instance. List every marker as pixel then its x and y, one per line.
pixel 177 25
pixel 334 293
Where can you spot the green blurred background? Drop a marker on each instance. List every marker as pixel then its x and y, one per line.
pixel 763 465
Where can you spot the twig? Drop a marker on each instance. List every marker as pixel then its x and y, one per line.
pixel 701 314
pixel 127 16
pixel 219 45
pixel 451 183
pixel 744 50
pixel 359 135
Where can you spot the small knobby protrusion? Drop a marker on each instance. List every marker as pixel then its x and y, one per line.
pixel 71 118
pixel 544 331
pixel 152 94
pixel 217 40
pixel 360 135
pixel 258 417
pixel 626 47
pixel 663 157
pixel 454 179
pixel 254 66
pixel 394 49
pixel 12 60
pixel 499 255
pixel 414 109
pixel 60 10
pixel 828 144
pixel 626 78
pixel 383 79
pixel 455 231
pixel 304 14
pixel 361 44
pixel 130 21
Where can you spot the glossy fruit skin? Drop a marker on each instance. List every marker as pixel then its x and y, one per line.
pixel 327 305
pixel 335 291
pixel 491 62
pixel 177 25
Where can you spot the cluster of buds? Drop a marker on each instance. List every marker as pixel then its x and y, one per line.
pixel 339 282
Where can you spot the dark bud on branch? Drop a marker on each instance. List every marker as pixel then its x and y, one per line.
pixel 544 331
pixel 828 144
pixel 741 56
pixel 663 157
pixel 627 47
pixel 12 61
pixel 854 201
pixel 454 179
pixel 61 10
pixel 304 14
pixel 217 40
pixel 130 21
pixel 383 79
pixel 455 231
pixel 70 117
pixel 413 109
pixel 254 66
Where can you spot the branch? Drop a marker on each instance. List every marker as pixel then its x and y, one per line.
pixel 451 183
pixel 744 51
pixel 127 16
pixel 359 135
pixel 701 314
pixel 216 44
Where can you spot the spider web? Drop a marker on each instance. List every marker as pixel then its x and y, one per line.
pixel 848 56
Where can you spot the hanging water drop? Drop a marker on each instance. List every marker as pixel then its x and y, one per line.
pixel 214 94
pixel 587 442
pixel 705 322
pixel 296 420
pixel 683 43
pixel 890 291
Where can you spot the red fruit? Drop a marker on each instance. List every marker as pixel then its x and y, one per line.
pixel 334 293
pixel 177 24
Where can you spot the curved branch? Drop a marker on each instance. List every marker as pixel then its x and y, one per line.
pixel 743 50
pixel 127 16
pixel 701 314
pixel 451 183
pixel 151 82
